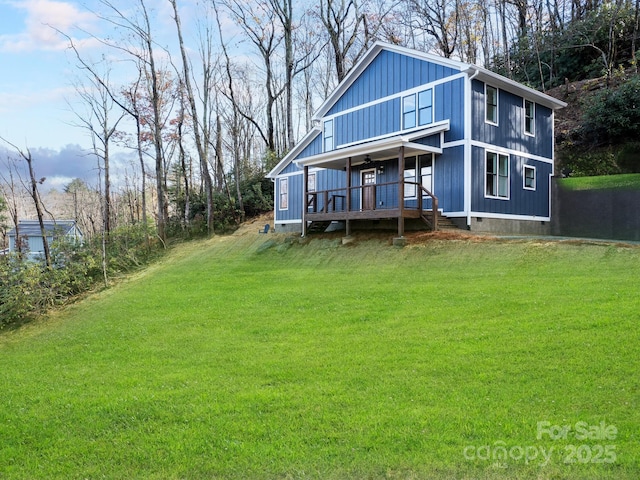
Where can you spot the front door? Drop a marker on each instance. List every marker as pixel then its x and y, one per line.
pixel 368 190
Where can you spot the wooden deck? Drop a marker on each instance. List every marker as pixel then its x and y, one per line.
pixel 361 203
pixel 369 201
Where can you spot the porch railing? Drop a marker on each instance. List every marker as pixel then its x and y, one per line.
pixel 334 201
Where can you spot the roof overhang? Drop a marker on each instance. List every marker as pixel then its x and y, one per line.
pixel 504 83
pixel 299 147
pixel 382 149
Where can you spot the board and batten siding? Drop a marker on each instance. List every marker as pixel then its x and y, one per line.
pixel 448 178
pixel 520 201
pixel 449 105
pixel 326 179
pixel 509 133
pixel 384 118
pixel 294 209
pixel 369 122
pixel 314 148
pixel 388 74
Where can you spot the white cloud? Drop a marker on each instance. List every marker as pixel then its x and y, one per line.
pixel 41 16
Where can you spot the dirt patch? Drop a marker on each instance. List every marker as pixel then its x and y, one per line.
pixel 416 238
pixel 255 224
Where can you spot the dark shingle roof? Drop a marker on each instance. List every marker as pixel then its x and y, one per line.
pixel 31 228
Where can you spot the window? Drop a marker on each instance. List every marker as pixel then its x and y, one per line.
pixel 426 173
pixel 284 193
pixel 408 111
pixel 311 182
pixel 327 135
pixel 497 175
pixel 410 177
pixel 529 117
pixel 425 107
pixel 529 177
pixel 491 105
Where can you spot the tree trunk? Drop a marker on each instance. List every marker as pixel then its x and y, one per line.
pixel 204 164
pixel 38 204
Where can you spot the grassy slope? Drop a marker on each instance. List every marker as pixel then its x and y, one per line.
pixel 629 181
pixel 230 360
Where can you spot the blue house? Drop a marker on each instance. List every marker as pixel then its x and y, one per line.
pixel 407 135
pixel 30 236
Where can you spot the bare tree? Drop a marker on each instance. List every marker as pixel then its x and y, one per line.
pixel 35 196
pixel 199 128
pixel 8 189
pixel 142 51
pixel 139 27
pixel 99 104
pixel 438 19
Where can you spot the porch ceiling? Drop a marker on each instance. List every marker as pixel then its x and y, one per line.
pixel 381 149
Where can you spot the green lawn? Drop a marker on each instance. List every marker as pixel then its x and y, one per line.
pixel 628 181
pixel 233 360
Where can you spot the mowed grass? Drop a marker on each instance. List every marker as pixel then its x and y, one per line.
pixel 625 181
pixel 230 359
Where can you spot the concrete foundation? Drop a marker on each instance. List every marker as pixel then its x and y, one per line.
pixel 288 228
pixel 510 227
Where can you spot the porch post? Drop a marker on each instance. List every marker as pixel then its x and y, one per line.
pixel 348 199
pixel 305 199
pixel 401 192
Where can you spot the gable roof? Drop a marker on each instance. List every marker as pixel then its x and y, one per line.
pixel 480 73
pixel 31 228
pixel 294 152
pixel 473 71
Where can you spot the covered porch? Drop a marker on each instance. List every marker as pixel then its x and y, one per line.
pixel 365 197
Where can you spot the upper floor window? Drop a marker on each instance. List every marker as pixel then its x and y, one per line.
pixel 497 175
pixel 491 104
pixel 327 135
pixel 529 177
pixel 529 117
pixel 284 193
pixel 408 111
pixel 425 107
pixel 417 114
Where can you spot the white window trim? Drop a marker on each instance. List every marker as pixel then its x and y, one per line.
pixel 418 108
pixel 282 181
pixel 415 111
pixel 532 133
pixel 486 103
pixel 498 197
pixel 524 177
pixel 332 137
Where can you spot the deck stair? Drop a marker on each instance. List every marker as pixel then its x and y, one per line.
pixel 318 227
pixel 444 223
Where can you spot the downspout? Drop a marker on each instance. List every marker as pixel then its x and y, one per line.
pixel 275 202
pixel 468 125
pixel 305 193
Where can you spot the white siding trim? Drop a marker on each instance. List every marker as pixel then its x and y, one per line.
pixel 403 93
pixel 509 151
pixel 284 222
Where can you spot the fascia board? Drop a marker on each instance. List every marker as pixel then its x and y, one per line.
pixel 301 145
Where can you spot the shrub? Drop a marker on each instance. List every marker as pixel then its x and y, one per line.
pixel 29 288
pixel 613 115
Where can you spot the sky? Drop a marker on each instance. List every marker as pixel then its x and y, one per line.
pixel 35 84
pixel 37 77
